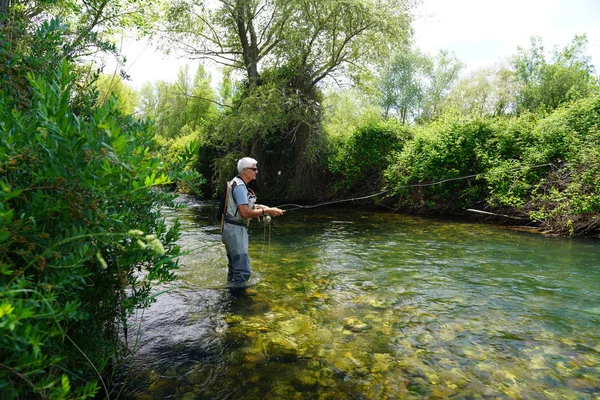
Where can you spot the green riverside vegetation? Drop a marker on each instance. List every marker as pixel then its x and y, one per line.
pixel 82 240
pixel 86 162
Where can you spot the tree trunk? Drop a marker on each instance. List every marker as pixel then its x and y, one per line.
pixel 245 30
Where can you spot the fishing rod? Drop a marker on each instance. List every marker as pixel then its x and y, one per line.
pixel 298 206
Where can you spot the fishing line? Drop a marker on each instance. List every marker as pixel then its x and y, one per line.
pixel 267 225
pixel 262 250
pixel 298 206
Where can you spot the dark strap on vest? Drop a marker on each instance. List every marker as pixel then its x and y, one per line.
pixel 233 222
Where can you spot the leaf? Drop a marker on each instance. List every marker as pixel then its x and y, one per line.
pixel 6 309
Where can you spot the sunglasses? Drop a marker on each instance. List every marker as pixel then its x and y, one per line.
pixel 253 169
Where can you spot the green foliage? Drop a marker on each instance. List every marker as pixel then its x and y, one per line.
pixel 442 151
pixel 345 111
pixel 178 107
pixel 181 112
pixel 414 85
pixel 360 160
pixel 546 85
pixel 314 39
pixel 486 92
pixel 81 238
pixel 445 72
pixel 404 84
pixel 285 49
pixel 274 124
pixel 567 199
pixel 113 86
pixel 544 168
pixel 181 154
pixel 22 53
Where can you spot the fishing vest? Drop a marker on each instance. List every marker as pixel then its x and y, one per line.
pixel 232 214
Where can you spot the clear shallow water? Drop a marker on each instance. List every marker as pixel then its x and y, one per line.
pixel 356 304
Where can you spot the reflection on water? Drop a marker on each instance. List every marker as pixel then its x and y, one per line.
pixel 348 303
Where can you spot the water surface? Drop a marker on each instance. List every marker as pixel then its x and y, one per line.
pixel 357 304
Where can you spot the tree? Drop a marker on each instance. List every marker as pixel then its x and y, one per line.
pixel 445 73
pixel 202 105
pixel 483 93
pixel 404 84
pixel 113 86
pixel 313 38
pixel 414 85
pixel 89 24
pixel 189 101
pixel 546 85
pixel 345 111
pixel 37 34
pixel 285 49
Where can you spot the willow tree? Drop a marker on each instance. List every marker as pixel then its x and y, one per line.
pixel 285 49
pixel 318 35
pixel 485 92
pixel 413 85
pixel 404 84
pixel 546 84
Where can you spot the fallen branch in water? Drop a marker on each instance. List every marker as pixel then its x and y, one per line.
pixel 496 215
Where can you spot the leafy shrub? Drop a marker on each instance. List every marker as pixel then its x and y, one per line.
pixel 442 152
pixel 276 125
pixel 567 199
pixel 81 238
pixel 22 53
pixel 547 169
pixel 180 154
pixel 360 160
pixel 509 175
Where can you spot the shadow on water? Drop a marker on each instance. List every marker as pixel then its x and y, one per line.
pixel 361 304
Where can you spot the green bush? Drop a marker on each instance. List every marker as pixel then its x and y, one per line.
pixel 279 127
pixel 358 162
pixel 509 176
pixel 23 52
pixel 441 152
pixel 81 238
pixel 180 154
pixel 553 172
pixel 567 199
pixel 544 168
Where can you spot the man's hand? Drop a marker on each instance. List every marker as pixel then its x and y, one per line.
pixel 273 211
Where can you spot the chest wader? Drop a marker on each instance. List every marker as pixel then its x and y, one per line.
pixel 235 238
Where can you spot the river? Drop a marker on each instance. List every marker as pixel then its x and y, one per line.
pixel 360 304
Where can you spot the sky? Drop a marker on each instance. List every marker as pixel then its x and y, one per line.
pixel 480 33
pixel 484 32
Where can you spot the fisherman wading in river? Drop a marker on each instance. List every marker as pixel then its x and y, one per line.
pixel 238 208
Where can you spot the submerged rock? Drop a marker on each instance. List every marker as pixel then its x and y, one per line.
pixel 355 325
pixel 382 362
pixel 280 347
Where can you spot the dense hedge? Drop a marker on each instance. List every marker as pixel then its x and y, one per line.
pixel 81 238
pixel 360 159
pixel 444 150
pixel 547 169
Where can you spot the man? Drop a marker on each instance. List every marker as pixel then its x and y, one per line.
pixel 240 207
